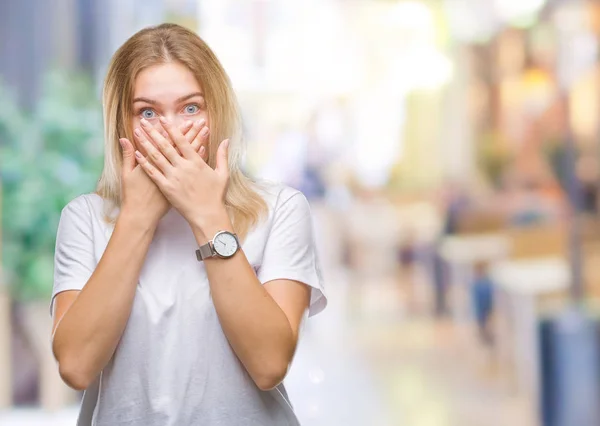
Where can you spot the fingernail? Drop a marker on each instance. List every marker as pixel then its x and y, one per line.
pixel 137 132
pixel 200 123
pixel 204 131
pixel 188 123
pixel 163 120
pixel 122 143
pixel 226 143
pixel 202 150
pixel 138 155
pixel 144 122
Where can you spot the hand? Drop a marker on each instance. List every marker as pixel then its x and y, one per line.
pixel 192 187
pixel 191 130
pixel 140 196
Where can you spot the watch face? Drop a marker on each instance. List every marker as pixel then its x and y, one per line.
pixel 225 244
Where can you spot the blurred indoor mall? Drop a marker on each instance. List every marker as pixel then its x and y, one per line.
pixel 450 150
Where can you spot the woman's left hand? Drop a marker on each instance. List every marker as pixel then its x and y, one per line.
pixel 191 186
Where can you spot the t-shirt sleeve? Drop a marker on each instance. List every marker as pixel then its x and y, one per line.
pixel 290 251
pixel 74 260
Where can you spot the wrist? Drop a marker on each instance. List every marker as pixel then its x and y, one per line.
pixel 137 219
pixel 206 225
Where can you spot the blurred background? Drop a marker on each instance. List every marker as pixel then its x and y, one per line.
pixel 450 151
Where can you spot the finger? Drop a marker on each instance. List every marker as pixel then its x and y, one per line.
pixel 186 127
pixel 203 140
pixel 200 149
pixel 192 137
pixel 128 155
pixel 153 152
pixel 194 131
pixel 198 143
pixel 222 166
pixel 176 136
pixel 204 135
pixel 202 153
pixel 152 172
pixel 163 144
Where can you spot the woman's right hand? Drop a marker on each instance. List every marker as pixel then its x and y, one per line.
pixel 141 198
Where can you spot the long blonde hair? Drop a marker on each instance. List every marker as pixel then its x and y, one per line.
pixel 173 43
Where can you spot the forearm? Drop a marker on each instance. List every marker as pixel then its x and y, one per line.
pixel 87 335
pixel 256 327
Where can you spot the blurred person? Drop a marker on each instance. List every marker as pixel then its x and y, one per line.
pixel 440 278
pixel 407 252
pixel 288 159
pixel 455 202
pixel 327 142
pixel 408 256
pixel 482 298
pixel 588 175
pixel 312 183
pixel 180 284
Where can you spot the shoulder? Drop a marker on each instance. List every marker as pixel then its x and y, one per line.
pixel 279 196
pixel 85 202
pixel 288 210
pixel 84 207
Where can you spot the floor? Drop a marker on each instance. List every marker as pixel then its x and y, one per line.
pixel 378 358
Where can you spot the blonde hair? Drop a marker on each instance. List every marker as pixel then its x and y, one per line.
pixel 173 43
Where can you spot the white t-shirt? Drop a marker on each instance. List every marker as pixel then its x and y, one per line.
pixel 173 365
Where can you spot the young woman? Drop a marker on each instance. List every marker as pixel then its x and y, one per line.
pixel 180 285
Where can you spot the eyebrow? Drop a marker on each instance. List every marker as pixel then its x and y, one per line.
pixel 178 101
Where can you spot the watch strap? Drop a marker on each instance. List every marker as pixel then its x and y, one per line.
pixel 205 252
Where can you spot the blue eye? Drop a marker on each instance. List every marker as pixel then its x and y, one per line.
pixel 191 109
pixel 147 113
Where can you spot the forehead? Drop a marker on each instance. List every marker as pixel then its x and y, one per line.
pixel 165 82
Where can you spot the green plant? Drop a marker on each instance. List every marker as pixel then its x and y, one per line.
pixel 47 157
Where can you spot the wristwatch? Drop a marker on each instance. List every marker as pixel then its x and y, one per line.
pixel 224 245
